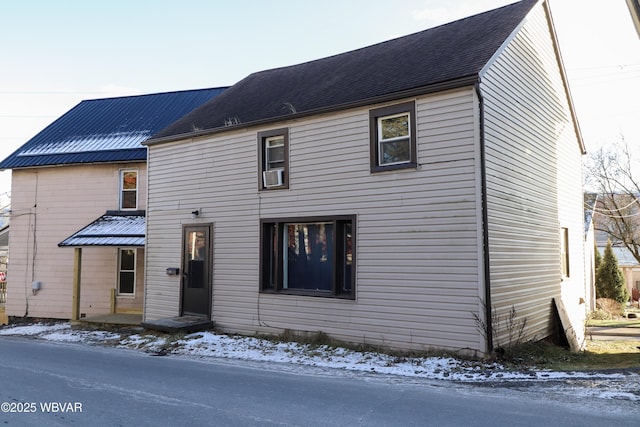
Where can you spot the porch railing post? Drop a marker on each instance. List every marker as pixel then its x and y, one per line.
pixel 77 271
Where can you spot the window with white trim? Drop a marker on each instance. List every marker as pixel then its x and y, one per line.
pixel 128 189
pixel 393 137
pixel 126 271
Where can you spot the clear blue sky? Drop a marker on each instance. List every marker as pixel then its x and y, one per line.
pixel 55 53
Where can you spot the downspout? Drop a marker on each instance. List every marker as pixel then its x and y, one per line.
pixel 485 221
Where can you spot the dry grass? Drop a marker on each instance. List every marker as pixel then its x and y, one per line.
pixel 614 347
pixel 616 323
pixel 614 354
pixel 609 306
pixel 599 355
pixel 616 318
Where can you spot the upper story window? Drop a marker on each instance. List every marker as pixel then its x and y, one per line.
pixel 273 155
pixel 393 137
pixel 128 189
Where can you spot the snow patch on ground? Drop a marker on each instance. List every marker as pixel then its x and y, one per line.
pixel 207 344
pixel 59 332
pixel 610 386
pixel 35 329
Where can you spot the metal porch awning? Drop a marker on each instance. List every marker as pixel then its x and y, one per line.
pixel 114 228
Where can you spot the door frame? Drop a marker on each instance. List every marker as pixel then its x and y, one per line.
pixel 209 265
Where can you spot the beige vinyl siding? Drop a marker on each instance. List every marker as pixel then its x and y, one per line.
pixel 49 205
pixel 577 288
pixel 525 105
pixel 417 232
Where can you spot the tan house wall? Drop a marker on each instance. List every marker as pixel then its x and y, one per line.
pixel 533 160
pixel 49 205
pixel 631 277
pixel 417 231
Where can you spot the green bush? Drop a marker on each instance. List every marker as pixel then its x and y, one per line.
pixel 609 279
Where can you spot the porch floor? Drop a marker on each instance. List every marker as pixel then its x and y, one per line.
pixel 127 319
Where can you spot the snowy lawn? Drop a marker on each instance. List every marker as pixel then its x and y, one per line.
pixel 208 344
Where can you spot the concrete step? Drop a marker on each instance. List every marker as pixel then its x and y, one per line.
pixel 186 324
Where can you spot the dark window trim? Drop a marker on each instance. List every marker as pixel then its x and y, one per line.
pixel 271 268
pixel 406 107
pixel 123 191
pixel 262 136
pixel 134 271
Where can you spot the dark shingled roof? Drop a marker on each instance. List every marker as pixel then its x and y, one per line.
pixel 106 130
pixel 453 52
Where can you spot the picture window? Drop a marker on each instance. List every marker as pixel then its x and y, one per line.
pixel 309 256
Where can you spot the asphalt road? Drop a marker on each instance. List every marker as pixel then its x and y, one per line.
pixel 51 384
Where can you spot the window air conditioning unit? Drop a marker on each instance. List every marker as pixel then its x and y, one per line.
pixel 272 178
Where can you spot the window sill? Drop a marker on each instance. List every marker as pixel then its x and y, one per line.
pixel 308 293
pixel 280 187
pixel 411 166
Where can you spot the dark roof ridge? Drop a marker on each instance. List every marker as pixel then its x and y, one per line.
pixel 446 53
pixel 446 24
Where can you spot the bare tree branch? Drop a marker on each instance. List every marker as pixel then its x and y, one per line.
pixel 617 212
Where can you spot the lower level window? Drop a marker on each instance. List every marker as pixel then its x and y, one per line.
pixel 311 257
pixel 126 271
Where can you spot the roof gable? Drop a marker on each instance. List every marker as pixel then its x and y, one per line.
pixel 106 130
pixel 448 53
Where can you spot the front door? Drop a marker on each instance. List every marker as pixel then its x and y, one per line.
pixel 196 270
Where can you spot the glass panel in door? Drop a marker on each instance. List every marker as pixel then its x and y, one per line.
pixel 196 267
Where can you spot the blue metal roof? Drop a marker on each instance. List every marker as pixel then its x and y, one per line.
pixel 106 130
pixel 623 255
pixel 115 228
